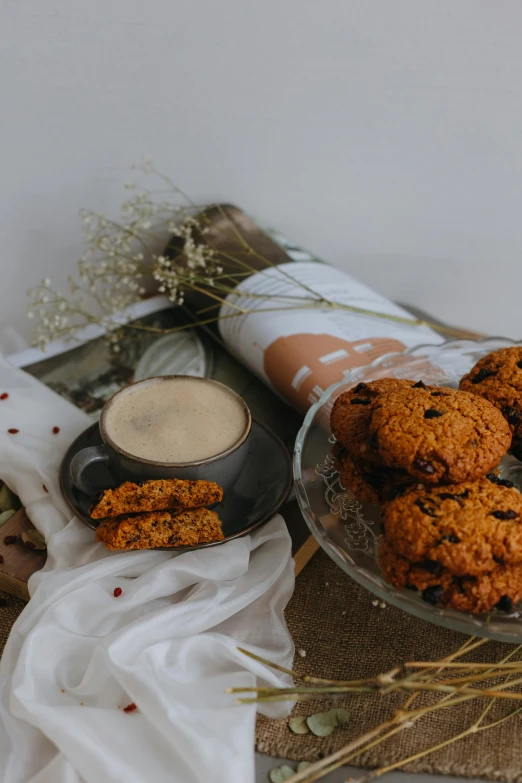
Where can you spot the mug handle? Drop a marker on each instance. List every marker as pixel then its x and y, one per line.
pixel 81 461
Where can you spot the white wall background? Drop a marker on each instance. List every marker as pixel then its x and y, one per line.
pixel 386 135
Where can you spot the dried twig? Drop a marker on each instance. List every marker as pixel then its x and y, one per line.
pixel 454 690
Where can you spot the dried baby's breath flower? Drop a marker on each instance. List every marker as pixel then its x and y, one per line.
pixel 120 261
pixel 124 258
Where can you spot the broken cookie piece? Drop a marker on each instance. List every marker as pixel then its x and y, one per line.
pixel 161 529
pixel 155 495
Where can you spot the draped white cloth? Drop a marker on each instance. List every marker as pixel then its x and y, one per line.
pixel 77 655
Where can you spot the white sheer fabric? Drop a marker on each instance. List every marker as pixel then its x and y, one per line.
pixel 77 655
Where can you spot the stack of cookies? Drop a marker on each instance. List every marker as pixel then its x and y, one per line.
pixel 158 513
pixel 393 433
pixel 498 378
pixel 452 527
pixel 460 545
pixel 356 453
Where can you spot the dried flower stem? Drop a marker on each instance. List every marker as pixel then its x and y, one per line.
pixel 462 666
pixel 250 250
pixel 382 683
pixel 405 715
pixel 474 728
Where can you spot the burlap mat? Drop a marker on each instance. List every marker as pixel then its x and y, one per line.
pixel 10 608
pixel 346 637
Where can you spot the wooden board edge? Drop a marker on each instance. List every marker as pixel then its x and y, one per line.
pixel 18 562
pixel 305 553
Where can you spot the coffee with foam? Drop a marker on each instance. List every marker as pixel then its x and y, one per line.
pixel 175 420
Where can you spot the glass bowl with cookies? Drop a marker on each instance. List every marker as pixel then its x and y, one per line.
pixel 409 472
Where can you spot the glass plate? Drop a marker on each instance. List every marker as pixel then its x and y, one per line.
pixel 348 530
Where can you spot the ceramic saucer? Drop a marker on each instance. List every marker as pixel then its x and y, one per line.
pixel 260 491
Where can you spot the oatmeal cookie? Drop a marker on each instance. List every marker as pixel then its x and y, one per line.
pixel 369 482
pixel 498 378
pixel 439 434
pixel 155 495
pixel 499 588
pixel 351 415
pixel 468 528
pixel 161 529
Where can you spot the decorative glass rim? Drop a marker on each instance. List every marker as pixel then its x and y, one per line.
pixel 448 618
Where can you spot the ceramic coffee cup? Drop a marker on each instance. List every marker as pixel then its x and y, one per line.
pixel 230 415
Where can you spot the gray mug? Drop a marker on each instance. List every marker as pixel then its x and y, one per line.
pixel 223 468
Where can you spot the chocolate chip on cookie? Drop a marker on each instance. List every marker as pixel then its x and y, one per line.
pixel 458 438
pixel 467 528
pixel 482 375
pixel 431 413
pixel 498 378
pixel 500 481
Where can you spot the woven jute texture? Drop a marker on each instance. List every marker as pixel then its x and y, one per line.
pixel 10 608
pixel 345 636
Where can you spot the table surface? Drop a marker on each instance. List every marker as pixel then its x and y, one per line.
pixel 265 763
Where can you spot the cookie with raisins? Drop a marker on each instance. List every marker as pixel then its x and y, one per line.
pixel 443 436
pixel 369 482
pixel 500 588
pixel 351 414
pixel 467 528
pixel 498 378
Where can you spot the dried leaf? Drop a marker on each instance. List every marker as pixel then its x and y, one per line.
pixel 298 724
pixel 5 515
pixel 322 724
pixel 8 500
pixel 33 540
pixel 303 765
pixel 280 774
